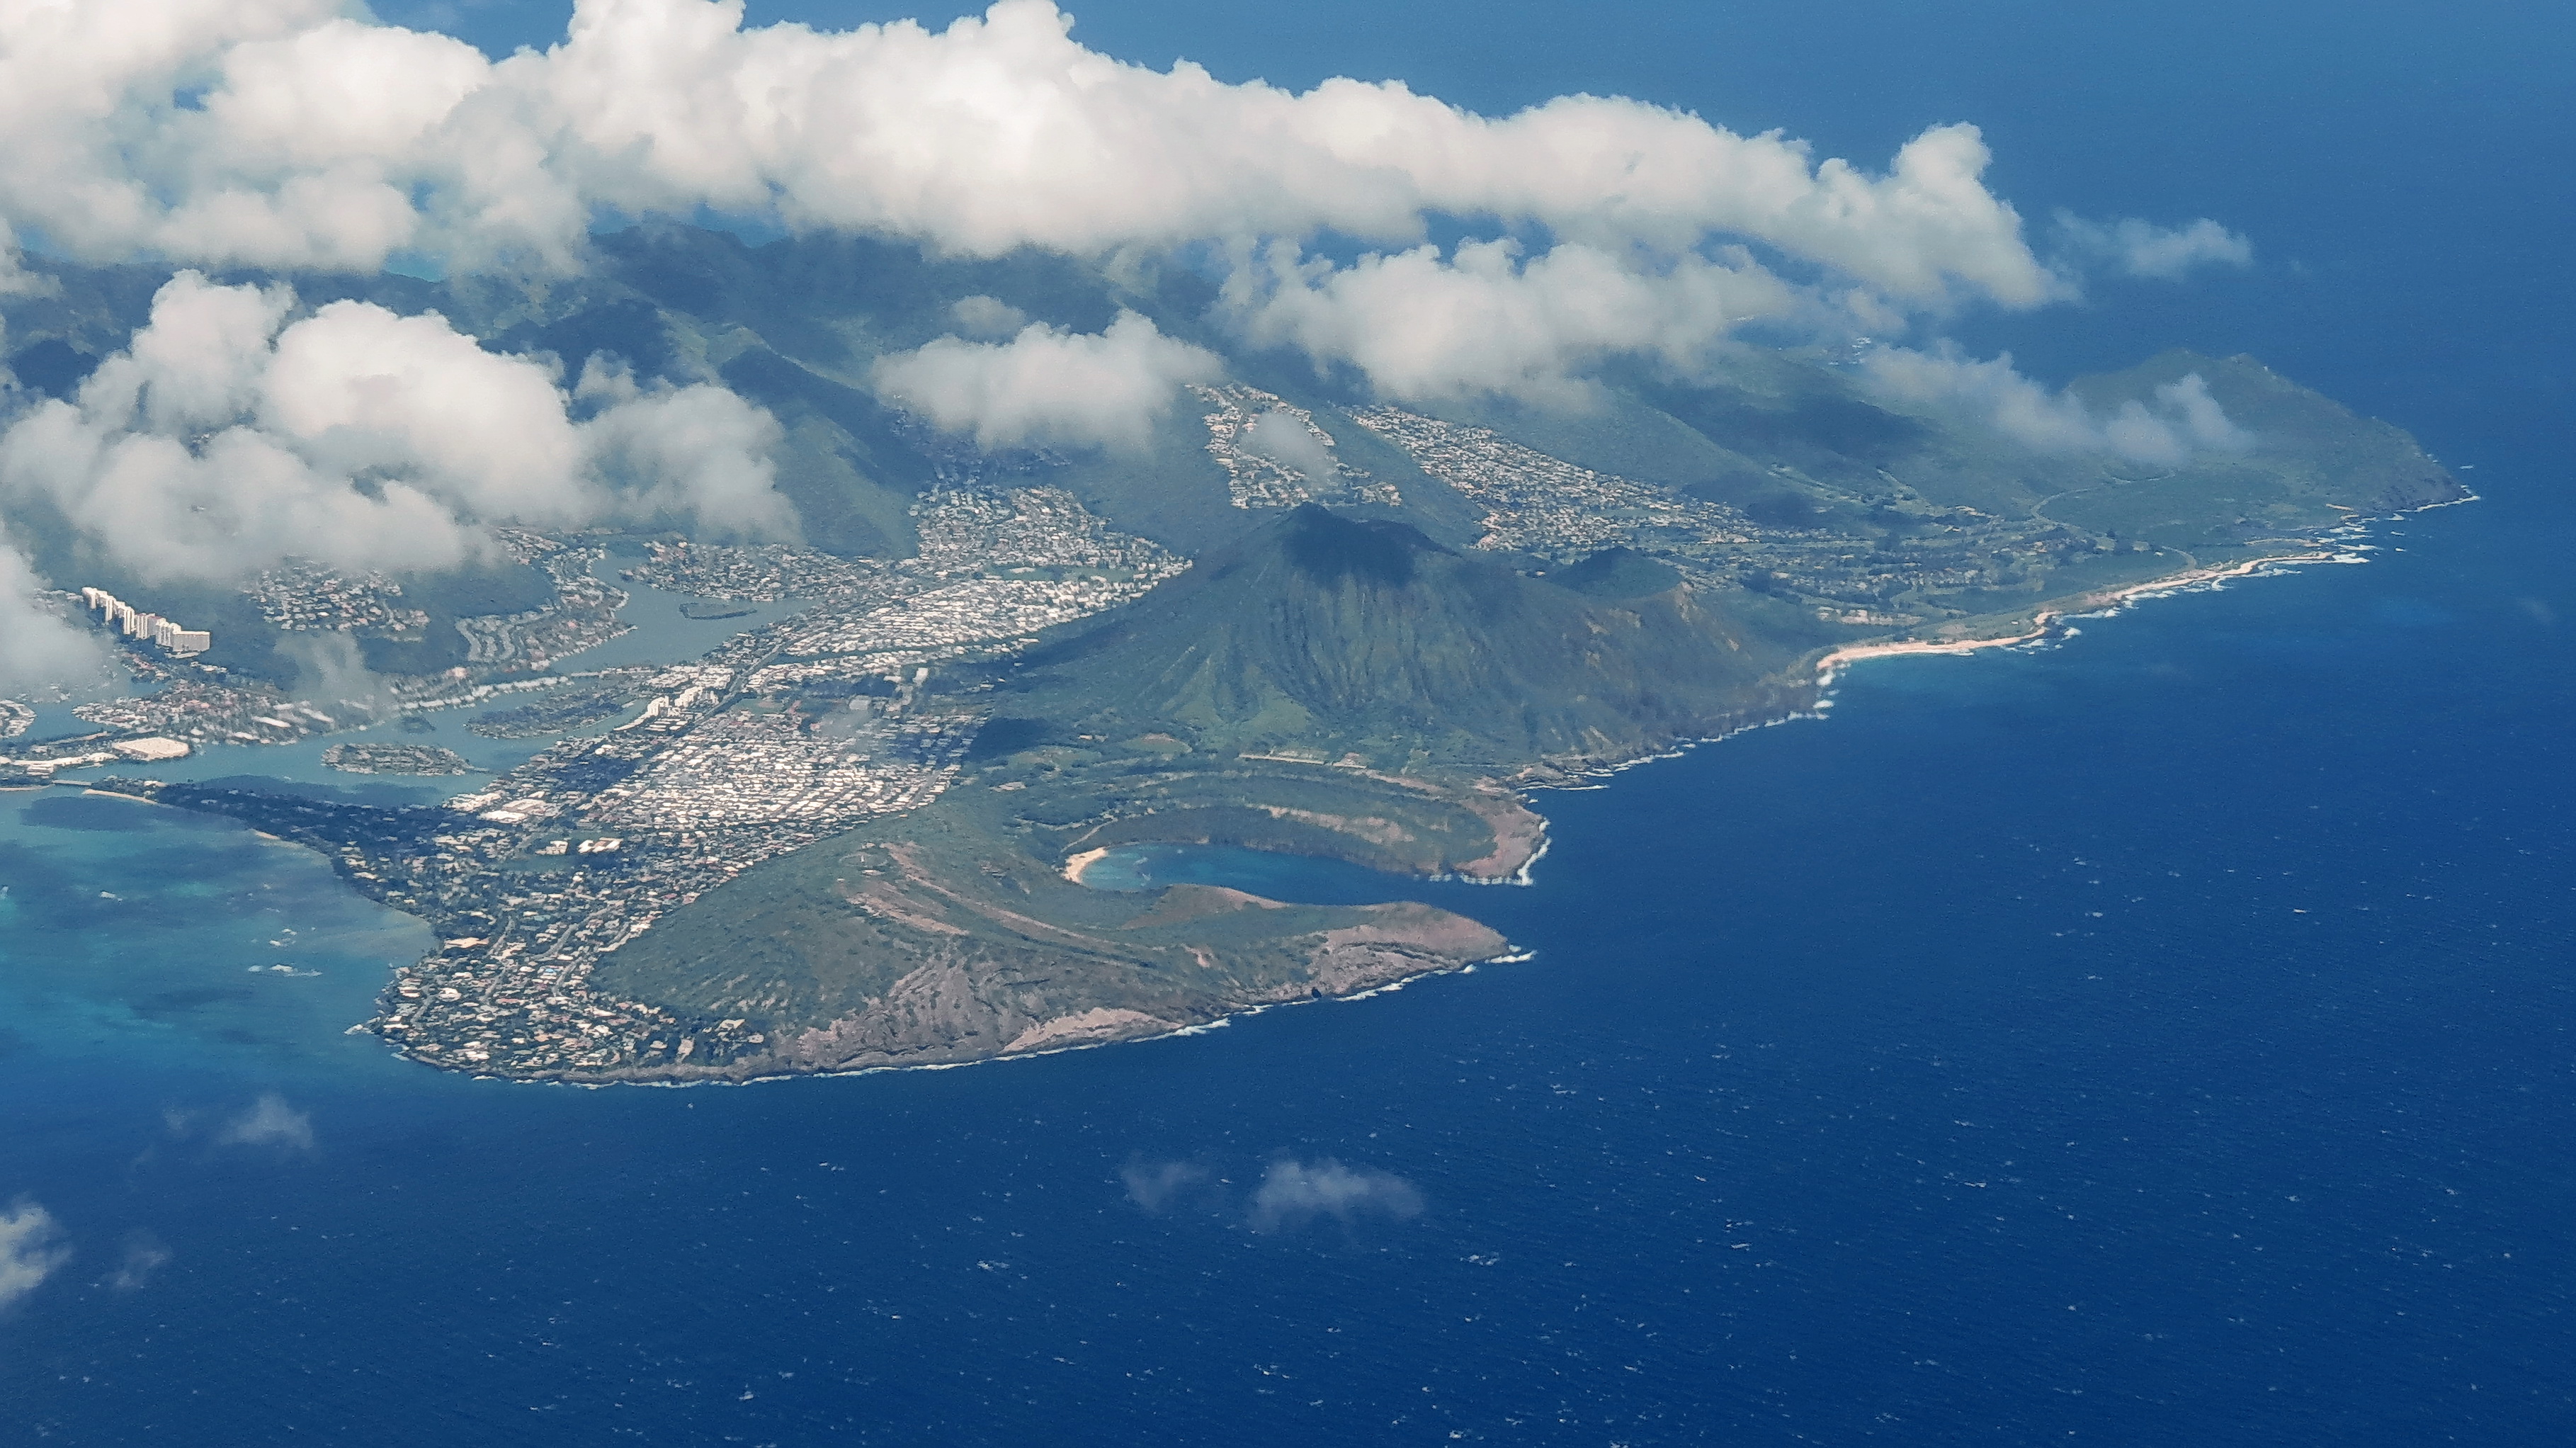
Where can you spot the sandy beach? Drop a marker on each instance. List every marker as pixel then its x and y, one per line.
pixel 1076 865
pixel 2047 622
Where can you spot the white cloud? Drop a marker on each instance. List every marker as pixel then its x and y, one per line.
pixel 307 134
pixel 1293 443
pixel 286 133
pixel 1483 319
pixel 314 138
pixel 698 451
pixel 1047 386
pixel 39 650
pixel 16 280
pixel 2143 249
pixel 358 390
pixel 221 441
pixel 30 1249
pixel 981 316
pixel 2183 420
pixel 1293 1193
pixel 269 1122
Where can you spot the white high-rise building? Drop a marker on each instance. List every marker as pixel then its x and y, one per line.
pixel 134 623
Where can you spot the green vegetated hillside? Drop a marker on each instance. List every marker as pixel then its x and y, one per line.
pixel 1326 633
pixel 938 939
pixel 1327 686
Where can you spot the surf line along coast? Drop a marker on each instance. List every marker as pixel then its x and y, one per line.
pixel 2050 623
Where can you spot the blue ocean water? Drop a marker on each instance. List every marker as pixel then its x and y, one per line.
pixel 2160 1038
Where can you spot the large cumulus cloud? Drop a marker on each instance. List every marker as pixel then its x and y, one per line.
pixel 283 133
pixel 1004 132
pixel 225 439
pixel 277 132
pixel 269 132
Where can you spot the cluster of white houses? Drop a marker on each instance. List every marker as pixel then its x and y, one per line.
pixel 118 614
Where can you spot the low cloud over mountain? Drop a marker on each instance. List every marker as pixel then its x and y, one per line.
pixel 225 439
pixel 1048 386
pixel 286 136
pixel 281 133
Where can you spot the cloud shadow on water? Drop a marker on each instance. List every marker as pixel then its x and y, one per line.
pixel 145 1254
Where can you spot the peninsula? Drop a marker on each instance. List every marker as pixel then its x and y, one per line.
pixel 850 837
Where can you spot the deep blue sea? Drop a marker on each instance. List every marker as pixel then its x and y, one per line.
pixel 2168 1037
pixel 2159 1038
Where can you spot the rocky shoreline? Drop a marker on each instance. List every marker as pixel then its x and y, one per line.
pixel 1414 942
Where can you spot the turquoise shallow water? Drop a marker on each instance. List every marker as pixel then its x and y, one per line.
pixel 1280 877
pixel 659 633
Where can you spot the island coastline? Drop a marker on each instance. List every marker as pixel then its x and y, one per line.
pixel 1334 969
pixel 2049 623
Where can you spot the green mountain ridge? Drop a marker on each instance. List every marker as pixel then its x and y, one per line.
pixel 1349 635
